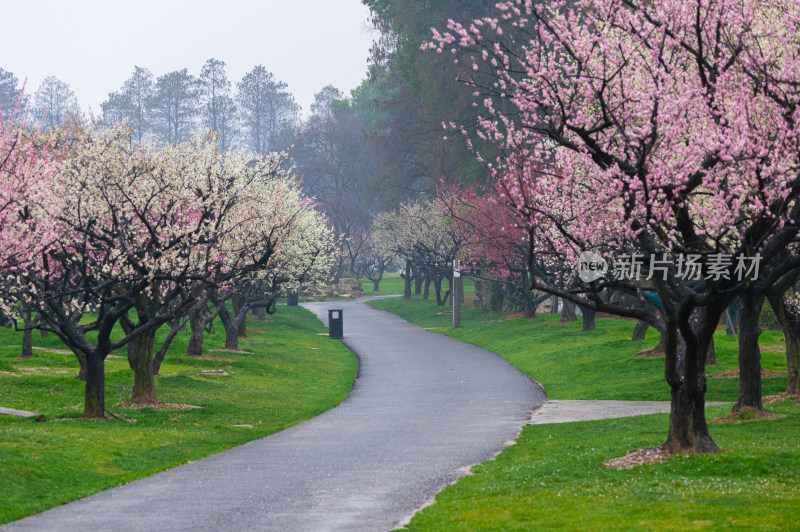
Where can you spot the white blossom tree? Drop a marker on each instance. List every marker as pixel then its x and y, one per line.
pixel 147 229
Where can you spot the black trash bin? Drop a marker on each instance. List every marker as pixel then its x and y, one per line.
pixel 291 296
pixel 335 323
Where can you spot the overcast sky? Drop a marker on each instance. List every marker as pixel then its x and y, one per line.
pixel 93 45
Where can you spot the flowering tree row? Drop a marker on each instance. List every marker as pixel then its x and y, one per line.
pixel 122 232
pixel 419 233
pixel 663 130
pixel 495 244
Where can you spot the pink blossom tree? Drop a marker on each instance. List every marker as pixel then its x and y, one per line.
pixel 493 241
pixel 27 212
pixel 669 133
pixel 27 208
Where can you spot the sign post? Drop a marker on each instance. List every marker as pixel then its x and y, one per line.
pixel 455 297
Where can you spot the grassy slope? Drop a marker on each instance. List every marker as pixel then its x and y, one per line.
pixel 289 374
pixel 572 364
pixel 393 284
pixel 554 477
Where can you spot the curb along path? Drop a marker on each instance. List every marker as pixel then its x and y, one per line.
pixel 423 409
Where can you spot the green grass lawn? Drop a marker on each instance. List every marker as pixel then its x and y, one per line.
pixel 572 364
pixel 553 478
pixel 393 284
pixel 288 373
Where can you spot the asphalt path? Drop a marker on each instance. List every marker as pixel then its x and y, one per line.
pixel 423 409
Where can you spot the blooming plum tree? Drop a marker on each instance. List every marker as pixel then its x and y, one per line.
pixel 418 231
pixel 27 213
pixel 147 229
pixel 668 132
pixel 27 205
pixel 376 257
pixel 304 251
pixel 494 242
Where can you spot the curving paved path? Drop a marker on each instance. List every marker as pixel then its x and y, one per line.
pixel 423 409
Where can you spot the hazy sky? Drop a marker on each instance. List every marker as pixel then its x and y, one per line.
pixel 93 45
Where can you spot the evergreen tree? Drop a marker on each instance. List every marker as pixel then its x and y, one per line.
pixel 217 108
pixel 54 102
pixel 268 111
pixel 174 105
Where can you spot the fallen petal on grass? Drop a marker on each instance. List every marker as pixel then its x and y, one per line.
pixel 637 457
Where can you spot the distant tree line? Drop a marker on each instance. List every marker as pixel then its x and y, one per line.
pixel 260 114
pixel 358 154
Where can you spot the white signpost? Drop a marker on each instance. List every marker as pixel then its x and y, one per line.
pixel 455 297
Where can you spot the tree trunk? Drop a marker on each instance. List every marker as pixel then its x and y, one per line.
pixel 427 291
pixel 261 314
pixel 27 339
pixel 238 303
pixel 450 285
pixel 231 329
pixel 659 350
pixel 143 385
pixel 195 347
pixel 43 332
pixel 554 305
pixel 661 347
pixel 529 310
pixel 94 404
pixel 127 327
pixel 81 376
pixel 437 288
pixel 480 293
pixel 375 284
pixel 588 318
pixel 685 374
pixel 749 352
pixel 568 312
pixel 711 357
pixel 790 323
pixel 242 329
pixel 407 279
pixel 418 281
pixel 732 317
pixel 162 351
pixel 640 331
pixel 496 296
pixel 231 337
